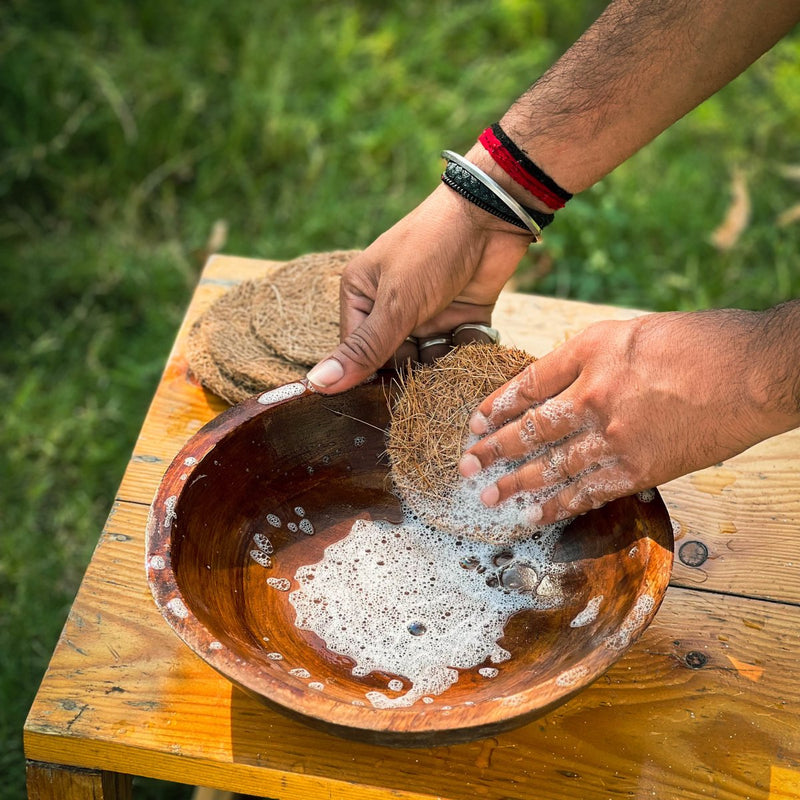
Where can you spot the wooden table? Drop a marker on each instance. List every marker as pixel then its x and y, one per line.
pixel 706 705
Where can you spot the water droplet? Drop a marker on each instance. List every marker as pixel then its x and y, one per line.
pixel 503 558
pixel 519 577
pixel 416 628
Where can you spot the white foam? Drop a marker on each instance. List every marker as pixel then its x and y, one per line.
pixel 557 410
pixel 275 656
pixel 505 401
pixel 597 491
pixel 500 655
pixel 178 608
pixel 274 520
pixel 170 514
pixel 281 584
pixel 589 614
pixel 647 495
pixel 299 672
pixel 463 510
pixel 416 602
pixel 300 511
pixel 292 526
pixel 157 562
pixel 189 461
pixel 632 623
pixel 263 543
pixel 260 557
pixel 306 527
pixel 282 393
pixel 571 676
pixel 527 429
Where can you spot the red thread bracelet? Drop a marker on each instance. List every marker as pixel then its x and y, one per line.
pixel 511 166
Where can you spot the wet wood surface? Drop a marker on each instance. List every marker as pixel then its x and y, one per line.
pixel 706 704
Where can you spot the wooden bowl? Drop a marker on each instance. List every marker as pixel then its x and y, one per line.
pixel 222 572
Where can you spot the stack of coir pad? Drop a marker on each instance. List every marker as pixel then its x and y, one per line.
pixel 267 332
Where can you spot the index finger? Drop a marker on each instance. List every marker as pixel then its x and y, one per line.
pixel 545 378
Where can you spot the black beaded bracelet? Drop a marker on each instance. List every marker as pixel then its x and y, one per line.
pixel 473 190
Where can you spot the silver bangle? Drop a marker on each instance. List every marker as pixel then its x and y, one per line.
pixel 496 189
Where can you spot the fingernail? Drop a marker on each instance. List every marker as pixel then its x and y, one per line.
pixel 326 373
pixel 479 424
pixel 469 465
pixel 490 495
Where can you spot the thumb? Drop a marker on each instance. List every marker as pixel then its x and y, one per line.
pixel 362 352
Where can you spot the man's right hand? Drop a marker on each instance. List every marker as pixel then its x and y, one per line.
pixel 441 266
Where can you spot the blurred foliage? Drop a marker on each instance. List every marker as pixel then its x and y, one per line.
pixel 130 128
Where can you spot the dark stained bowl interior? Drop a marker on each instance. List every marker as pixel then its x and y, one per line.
pixel 315 464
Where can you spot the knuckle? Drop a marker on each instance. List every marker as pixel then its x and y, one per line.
pixel 562 507
pixel 557 468
pixel 529 385
pixel 527 427
pixel 592 450
pixel 361 350
pixel 512 484
pixel 494 447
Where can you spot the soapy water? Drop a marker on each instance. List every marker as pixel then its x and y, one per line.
pixel 461 509
pixel 421 603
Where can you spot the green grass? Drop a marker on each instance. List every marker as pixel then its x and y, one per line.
pixel 129 128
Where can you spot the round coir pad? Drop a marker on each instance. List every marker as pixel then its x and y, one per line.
pixel 429 428
pixel 226 356
pixel 296 308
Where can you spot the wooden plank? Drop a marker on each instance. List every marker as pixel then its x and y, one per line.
pixel 745 513
pixel 707 704
pixel 55 782
pixel 784 784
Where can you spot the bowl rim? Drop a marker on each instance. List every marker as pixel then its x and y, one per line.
pixel 313 706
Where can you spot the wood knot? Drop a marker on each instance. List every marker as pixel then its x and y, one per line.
pixel 695 659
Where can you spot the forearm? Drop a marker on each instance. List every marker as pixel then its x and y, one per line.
pixel 640 67
pixel 775 355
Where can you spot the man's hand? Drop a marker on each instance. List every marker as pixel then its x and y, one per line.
pixel 626 406
pixel 439 267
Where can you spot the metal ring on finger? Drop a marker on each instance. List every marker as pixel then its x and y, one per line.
pixel 486 330
pixel 434 342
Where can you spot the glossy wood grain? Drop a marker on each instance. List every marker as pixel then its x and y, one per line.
pixel 326 456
